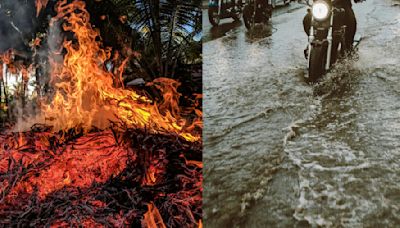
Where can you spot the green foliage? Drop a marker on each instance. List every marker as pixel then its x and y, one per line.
pixel 166 29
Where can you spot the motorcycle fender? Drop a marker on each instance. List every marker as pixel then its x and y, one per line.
pixel 321 24
pixel 319 42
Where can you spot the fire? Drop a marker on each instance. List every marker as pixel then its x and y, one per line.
pixel 152 218
pixel 96 178
pixel 7 59
pixel 150 178
pixel 82 162
pixel 40 4
pixel 85 95
pixel 99 155
pixel 15 75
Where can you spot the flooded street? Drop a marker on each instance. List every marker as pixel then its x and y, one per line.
pixel 281 153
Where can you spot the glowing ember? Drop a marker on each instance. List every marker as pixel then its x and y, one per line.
pixel 79 166
pixel 152 218
pixel 100 177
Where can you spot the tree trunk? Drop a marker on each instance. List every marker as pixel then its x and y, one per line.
pixel 156 33
pixel 5 89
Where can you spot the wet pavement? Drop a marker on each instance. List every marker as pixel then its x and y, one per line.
pixel 281 153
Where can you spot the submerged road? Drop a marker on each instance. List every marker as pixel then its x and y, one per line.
pixel 281 153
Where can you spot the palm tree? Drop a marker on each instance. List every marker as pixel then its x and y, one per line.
pixel 166 31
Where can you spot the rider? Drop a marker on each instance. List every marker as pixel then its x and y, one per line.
pixel 350 21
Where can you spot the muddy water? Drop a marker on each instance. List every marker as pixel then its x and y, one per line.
pixel 281 153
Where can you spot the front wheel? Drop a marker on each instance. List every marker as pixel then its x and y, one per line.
pixel 213 16
pixel 248 16
pixel 317 62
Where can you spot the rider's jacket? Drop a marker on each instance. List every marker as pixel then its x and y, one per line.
pixel 346 3
pixel 343 3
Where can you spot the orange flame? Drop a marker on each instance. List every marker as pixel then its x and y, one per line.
pixel 85 95
pixel 40 4
pixel 7 57
pixel 14 67
pixel 152 218
pixel 150 177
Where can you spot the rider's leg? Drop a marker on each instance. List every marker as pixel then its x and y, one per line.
pixel 307 26
pixel 307 23
pixel 351 27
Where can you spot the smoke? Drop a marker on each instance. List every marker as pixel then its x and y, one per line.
pixel 17 24
pixel 28 113
pixel 18 27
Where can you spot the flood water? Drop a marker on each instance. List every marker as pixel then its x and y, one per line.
pixel 281 153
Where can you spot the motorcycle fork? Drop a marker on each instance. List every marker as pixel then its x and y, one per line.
pixel 310 41
pixel 330 32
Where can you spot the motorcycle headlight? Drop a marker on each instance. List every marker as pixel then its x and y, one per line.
pixel 320 10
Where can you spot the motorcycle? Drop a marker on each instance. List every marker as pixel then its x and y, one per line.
pixel 326 39
pixel 260 11
pixel 256 12
pixel 221 9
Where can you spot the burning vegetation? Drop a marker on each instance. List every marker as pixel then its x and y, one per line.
pixel 96 154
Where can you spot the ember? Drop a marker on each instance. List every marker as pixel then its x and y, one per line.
pixel 98 179
pixel 99 155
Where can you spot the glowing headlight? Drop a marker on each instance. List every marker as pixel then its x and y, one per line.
pixel 320 10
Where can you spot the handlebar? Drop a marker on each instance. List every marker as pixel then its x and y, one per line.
pixel 308 2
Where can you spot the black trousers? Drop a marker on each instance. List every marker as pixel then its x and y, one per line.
pixel 349 21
